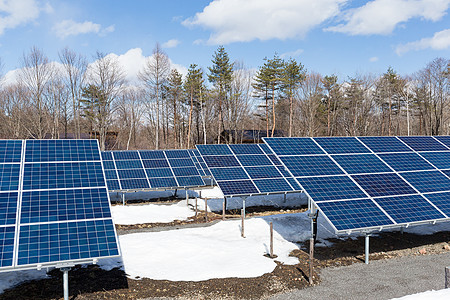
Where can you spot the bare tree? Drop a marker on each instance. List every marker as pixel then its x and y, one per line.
pixel 75 68
pixel 108 77
pixel 35 76
pixel 154 74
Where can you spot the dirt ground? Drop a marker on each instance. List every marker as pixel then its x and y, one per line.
pixel 91 282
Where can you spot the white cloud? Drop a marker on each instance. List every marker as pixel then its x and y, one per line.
pixel 383 16
pixel 439 41
pixel 171 43
pixel 133 61
pixel 373 59
pixel 247 20
pixel 67 28
pixel 14 13
pixel 292 53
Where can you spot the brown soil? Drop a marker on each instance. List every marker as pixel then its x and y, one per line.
pixel 91 282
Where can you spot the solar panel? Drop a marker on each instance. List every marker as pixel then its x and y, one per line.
pixel 246 169
pixel 59 211
pixel 365 182
pixel 150 169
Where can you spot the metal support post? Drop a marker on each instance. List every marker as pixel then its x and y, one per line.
pixel 243 207
pixel 65 282
pixel 271 240
pixel 206 210
pixel 242 223
pixel 313 216
pixel 284 200
pixel 187 196
pixel 223 209
pixel 366 248
pixel 123 199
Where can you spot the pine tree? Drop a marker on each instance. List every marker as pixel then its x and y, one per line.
pixel 293 75
pixel 193 87
pixel 173 89
pixel 221 75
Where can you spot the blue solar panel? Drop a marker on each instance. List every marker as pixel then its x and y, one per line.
pixel 254 172
pixel 62 175
pixel 10 151
pixel 440 160
pixel 187 171
pixel 126 155
pixel 221 161
pixel 214 150
pixel 113 185
pixel 64 205
pixel 406 209
pixel 444 140
pixel 110 174
pixel 246 149
pixel 427 181
pixel 152 169
pixel 149 154
pixel 61 150
pixel 380 144
pixel 441 200
pixel 254 160
pixel 406 162
pixel 263 172
pixel 63 186
pixel 241 187
pixel 189 181
pixel 221 174
pixel 128 164
pixel 354 214
pixel 132 173
pixel 177 154
pixel 106 155
pixel 293 146
pixel 9 174
pixel 43 243
pixel 272 185
pixel 108 165
pixel 374 175
pixel 361 163
pixel 7 246
pixel 159 172
pixel 340 145
pixel 181 162
pixel 163 182
pixel 132 184
pixel 155 163
pixel 8 208
pixel 331 188
pixel 311 165
pixel 383 184
pixel 423 143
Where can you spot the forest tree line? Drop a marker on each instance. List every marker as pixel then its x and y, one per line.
pixel 168 110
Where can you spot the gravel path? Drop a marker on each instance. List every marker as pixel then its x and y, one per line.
pixel 382 279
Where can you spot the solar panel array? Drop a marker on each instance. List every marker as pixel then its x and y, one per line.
pixel 150 169
pixel 54 205
pixel 241 170
pixel 369 182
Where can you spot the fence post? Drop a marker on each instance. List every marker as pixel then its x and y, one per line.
pixel 271 239
pixel 242 223
pixel 447 277
pixel 206 210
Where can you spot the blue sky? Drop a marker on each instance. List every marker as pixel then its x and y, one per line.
pixel 327 36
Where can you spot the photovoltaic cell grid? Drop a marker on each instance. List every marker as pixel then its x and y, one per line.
pixel 243 170
pixel 150 169
pixel 199 163
pixel 65 214
pixel 368 182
